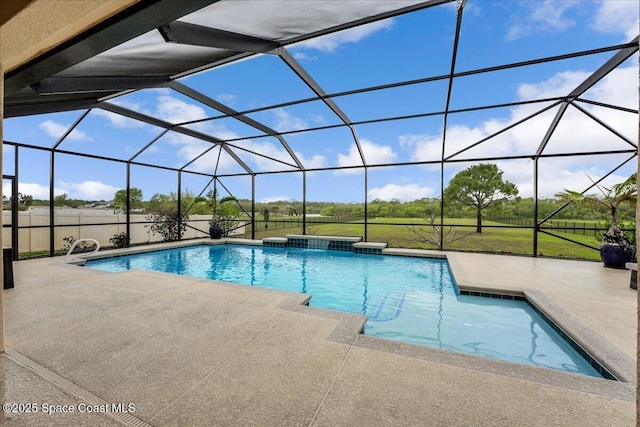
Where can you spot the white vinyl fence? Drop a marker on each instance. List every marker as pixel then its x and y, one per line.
pixel 37 239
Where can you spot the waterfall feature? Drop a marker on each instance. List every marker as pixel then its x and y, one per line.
pixel 318 244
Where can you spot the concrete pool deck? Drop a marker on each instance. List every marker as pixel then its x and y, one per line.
pixel 194 352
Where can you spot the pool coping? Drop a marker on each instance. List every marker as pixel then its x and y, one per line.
pixel 618 363
pixel 319 237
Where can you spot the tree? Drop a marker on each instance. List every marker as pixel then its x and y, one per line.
pixel 61 200
pixel 435 234
pixel 159 202
pixel 479 186
pixel 135 198
pixel 24 201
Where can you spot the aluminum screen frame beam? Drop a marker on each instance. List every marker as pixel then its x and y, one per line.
pixel 455 75
pixel 552 128
pixel 511 126
pixel 134 21
pixel 299 70
pixel 603 124
pixel 594 184
pixel 614 62
pixel 30 103
pixel 33 105
pixel 97 85
pixel 166 125
pixel 199 35
pixel 459 10
pixel 385 15
pixel 69 130
pixel 193 94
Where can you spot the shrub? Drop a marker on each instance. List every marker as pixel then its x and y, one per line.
pixel 167 222
pixel 120 240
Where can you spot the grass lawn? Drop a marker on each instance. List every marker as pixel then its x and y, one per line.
pixel 511 240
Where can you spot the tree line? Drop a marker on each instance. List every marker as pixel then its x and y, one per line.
pixel 517 208
pixel 476 192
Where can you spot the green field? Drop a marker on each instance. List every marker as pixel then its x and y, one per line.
pixel 504 240
pixel 510 240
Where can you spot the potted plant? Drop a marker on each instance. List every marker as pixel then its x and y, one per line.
pixel 616 249
pixel 217 222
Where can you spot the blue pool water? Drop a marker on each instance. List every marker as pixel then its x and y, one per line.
pixel 407 299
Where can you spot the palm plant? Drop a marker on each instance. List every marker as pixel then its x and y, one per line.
pixel 219 221
pixel 610 198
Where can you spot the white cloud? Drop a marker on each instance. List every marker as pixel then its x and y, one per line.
pixel 351 159
pixel 88 190
pixel 56 130
pixel 161 90
pixel 373 153
pixel 552 16
pixel 269 149
pixel 548 16
pixel 37 191
pixel 207 163
pixel 53 129
pixel 314 162
pixel 559 84
pixel 118 120
pixel 215 129
pixel 132 105
pixel 575 133
pixel 377 154
pixel 317 118
pixel 303 56
pixel 331 42
pixel 175 110
pixel 423 147
pixel 165 107
pixel 275 199
pixel 288 122
pixel 183 147
pixel 404 193
pixel 188 147
pixel 617 17
pixel 615 88
pixel 225 98
pixel 557 175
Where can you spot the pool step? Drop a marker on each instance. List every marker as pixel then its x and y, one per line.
pixel 334 243
pixel 370 248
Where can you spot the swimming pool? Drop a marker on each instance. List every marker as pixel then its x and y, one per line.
pixel 407 299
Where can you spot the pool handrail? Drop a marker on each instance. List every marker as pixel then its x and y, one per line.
pixel 68 258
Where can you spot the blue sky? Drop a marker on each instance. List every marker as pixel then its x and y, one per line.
pixel 408 47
